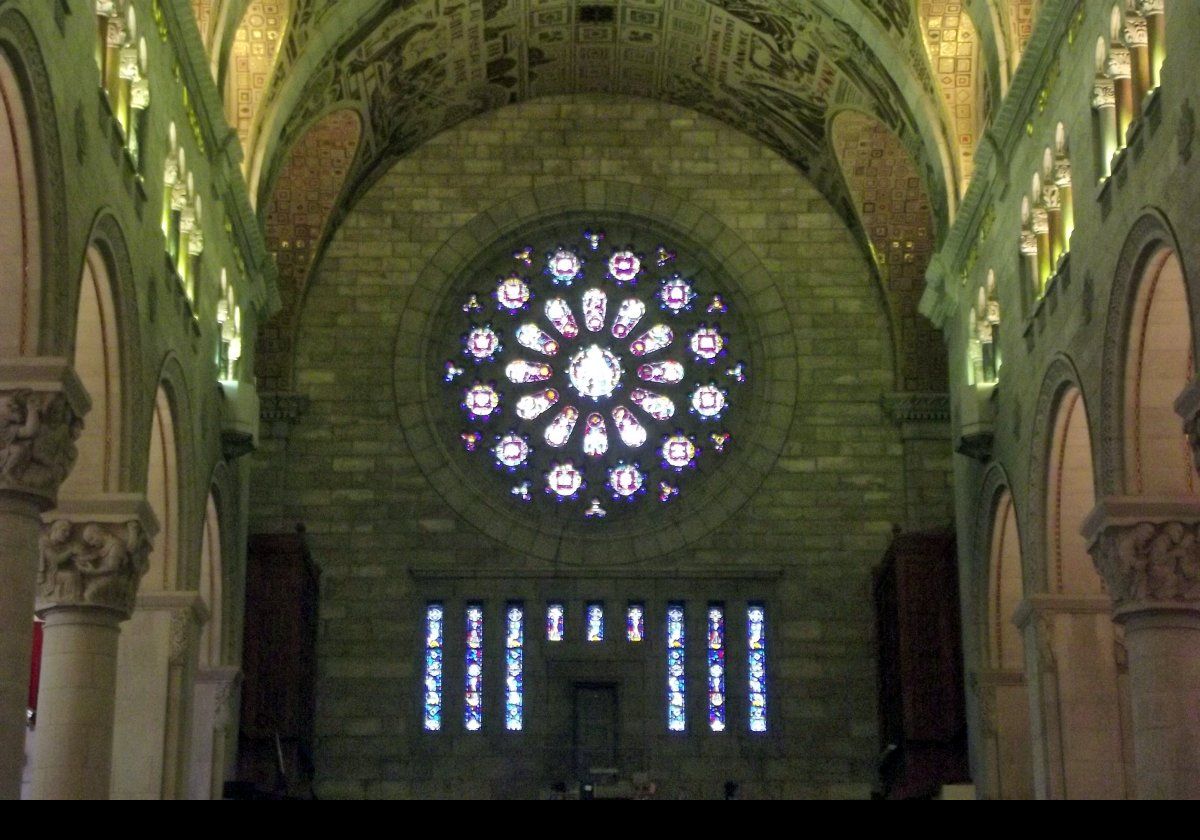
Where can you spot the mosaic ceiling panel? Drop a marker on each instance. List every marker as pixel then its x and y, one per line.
pixel 772 68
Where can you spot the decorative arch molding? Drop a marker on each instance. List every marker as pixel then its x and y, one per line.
pixel 19 45
pixel 996 482
pixel 1150 235
pixel 184 569
pixel 772 396
pixel 223 491
pixel 1061 376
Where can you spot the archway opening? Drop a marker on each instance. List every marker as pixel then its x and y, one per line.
pixel 1006 698
pixel 1159 366
pixel 20 263
pixel 162 492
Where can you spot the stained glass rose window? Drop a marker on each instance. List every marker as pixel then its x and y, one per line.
pixel 594 376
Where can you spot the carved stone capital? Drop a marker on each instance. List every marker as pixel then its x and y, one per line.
pixel 1029 246
pixel 1104 94
pixel 129 67
pixel 1039 221
pixel 115 32
pixel 1147 551
pixel 1148 8
pixel 139 94
pixel 42 405
pixel 106 8
pixel 94 553
pixel 1062 171
pixel 1120 63
pixel 1136 33
pixel 1051 197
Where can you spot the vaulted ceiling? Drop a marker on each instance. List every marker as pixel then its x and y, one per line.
pixel 777 69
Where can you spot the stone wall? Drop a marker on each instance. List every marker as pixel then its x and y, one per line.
pixel 387 542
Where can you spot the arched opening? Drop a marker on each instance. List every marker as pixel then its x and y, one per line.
pixel 1159 366
pixel 1078 692
pixel 1006 697
pixel 162 492
pixel 20 231
pixel 211 572
pixel 97 362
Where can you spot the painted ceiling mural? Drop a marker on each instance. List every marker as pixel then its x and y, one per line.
pixel 772 68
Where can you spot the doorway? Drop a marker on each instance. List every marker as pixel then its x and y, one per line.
pixel 595 728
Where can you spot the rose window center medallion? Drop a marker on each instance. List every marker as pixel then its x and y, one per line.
pixel 588 376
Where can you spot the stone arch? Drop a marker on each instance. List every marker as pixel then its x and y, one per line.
pixel 1149 358
pixel 695 515
pixel 33 223
pixel 1004 762
pixel 167 463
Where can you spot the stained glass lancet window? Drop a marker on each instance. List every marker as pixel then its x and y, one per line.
pixel 676 676
pixel 434 637
pixel 473 673
pixel 514 666
pixel 757 645
pixel 716 668
pixel 595 622
pixel 588 374
pixel 555 615
pixel 635 623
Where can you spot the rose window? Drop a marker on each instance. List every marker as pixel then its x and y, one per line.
pixel 593 377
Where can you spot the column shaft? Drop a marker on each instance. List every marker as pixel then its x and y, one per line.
pixel 20 523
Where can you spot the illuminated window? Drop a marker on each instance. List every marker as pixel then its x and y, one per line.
pixel 434 630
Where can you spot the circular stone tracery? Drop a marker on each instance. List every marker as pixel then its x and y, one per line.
pixel 592 375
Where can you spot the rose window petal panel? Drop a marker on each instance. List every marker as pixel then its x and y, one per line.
pixel 591 383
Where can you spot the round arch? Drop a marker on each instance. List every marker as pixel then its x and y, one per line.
pixel 168 462
pixel 1149 358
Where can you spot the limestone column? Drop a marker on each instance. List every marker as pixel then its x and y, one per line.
pixel 41 403
pixel 1029 262
pixel 1039 221
pixel 1120 70
pixel 1156 35
pixel 1066 197
pixel 94 553
pixel 1104 101
pixel 1148 551
pixel 1137 39
pixel 1072 668
pixel 1052 201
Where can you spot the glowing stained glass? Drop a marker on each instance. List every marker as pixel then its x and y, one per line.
pixel 662 256
pixel 595 622
pixel 737 372
pixel 564 266
pixel 595 309
pixel 628 315
pixel 434 639
pixel 595 511
pixel 472 305
pixel 635 623
pixel 560 315
pixel 512 293
pixel 707 343
pixel 678 452
pixel 661 373
pixel 521 491
pixel 559 431
pixel 555 615
pixel 656 405
pixel 655 338
pixel 595 372
pixel 594 238
pixel 757 640
pixel 625 480
pixel 716 669
pixel 453 371
pixel 624 266
pixel 535 338
pixel 631 432
pixel 720 440
pixel 676 677
pixel 708 401
pixel 471 440
pixel 666 492
pixel 481 400
pixel 473 675
pixel 512 451
pixel 522 372
pixel 718 305
pixel 482 343
pixel 514 669
pixel 676 295
pixel 524 255
pixel 595 436
pixel 563 480
pixel 532 406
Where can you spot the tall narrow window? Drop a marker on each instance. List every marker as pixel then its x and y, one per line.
pixel 635 623
pixel 595 622
pixel 756 626
pixel 716 668
pixel 554 622
pixel 473 681
pixel 514 664
pixel 433 667
pixel 676 678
